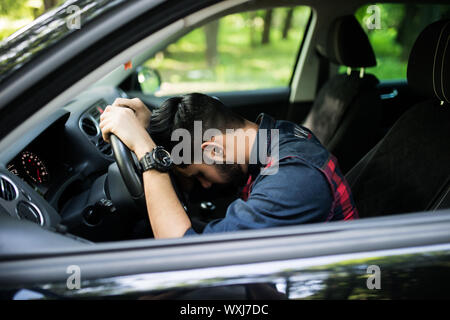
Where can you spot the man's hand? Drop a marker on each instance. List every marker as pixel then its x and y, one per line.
pixel 126 126
pixel 128 122
pixel 141 111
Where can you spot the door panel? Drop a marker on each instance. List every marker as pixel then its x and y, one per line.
pixel 396 98
pixel 408 254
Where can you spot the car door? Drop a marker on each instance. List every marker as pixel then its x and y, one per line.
pixel 397 257
pixel 245 58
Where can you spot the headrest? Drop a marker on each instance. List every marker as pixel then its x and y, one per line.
pixel 429 61
pixel 348 45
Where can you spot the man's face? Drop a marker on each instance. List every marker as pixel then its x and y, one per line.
pixel 207 175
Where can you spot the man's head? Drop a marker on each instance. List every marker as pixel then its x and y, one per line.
pixel 185 112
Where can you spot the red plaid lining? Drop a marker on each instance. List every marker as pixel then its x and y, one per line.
pixel 343 206
pixel 246 190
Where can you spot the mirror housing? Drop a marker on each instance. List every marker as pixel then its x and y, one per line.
pixel 149 79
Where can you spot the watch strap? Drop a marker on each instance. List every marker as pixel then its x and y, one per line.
pixel 150 161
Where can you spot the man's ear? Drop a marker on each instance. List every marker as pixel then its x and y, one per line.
pixel 213 152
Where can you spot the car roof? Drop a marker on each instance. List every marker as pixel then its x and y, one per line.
pixel 28 42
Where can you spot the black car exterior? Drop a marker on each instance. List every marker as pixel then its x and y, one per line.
pixel 403 257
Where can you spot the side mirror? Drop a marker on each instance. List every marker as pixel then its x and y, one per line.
pixel 149 79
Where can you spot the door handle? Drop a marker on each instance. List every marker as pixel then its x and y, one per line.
pixel 390 95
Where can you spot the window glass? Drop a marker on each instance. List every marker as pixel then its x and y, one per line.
pixel 243 51
pixel 392 30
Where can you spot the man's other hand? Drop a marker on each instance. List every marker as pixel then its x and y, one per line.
pixel 141 111
pixel 123 123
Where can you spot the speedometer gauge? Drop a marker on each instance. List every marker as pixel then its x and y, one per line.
pixel 34 167
pixel 12 168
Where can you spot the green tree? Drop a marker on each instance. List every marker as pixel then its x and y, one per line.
pixel 267 26
pixel 49 4
pixel 415 18
pixel 252 29
pixel 287 22
pixel 15 14
pixel 9 6
pixel 211 33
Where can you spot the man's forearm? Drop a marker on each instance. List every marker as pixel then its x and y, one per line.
pixel 127 120
pixel 167 216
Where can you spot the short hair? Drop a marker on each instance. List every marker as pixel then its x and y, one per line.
pixel 181 112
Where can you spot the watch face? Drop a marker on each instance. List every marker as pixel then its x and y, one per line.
pixel 162 157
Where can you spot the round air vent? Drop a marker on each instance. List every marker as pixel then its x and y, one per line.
pixel 8 190
pixel 89 127
pixel 28 211
pixel 104 147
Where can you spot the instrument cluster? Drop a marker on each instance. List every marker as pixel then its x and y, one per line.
pixel 30 167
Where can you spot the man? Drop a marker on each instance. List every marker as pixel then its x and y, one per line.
pixel 290 177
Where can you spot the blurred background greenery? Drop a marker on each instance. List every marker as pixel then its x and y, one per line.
pixel 400 24
pixel 15 14
pixel 258 49
pixel 244 51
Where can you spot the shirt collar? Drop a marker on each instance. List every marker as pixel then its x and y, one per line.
pixel 265 122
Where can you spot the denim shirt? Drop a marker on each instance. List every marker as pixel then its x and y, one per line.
pixel 299 184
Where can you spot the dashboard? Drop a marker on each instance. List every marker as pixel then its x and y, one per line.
pixel 47 176
pixel 41 164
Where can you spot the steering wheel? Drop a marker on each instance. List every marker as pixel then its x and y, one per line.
pixel 130 172
pixel 128 168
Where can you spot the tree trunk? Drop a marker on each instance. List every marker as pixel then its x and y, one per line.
pixel 36 12
pixel 49 4
pixel 267 25
pixel 288 22
pixel 251 19
pixel 211 32
pixel 416 18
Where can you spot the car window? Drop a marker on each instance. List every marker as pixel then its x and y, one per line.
pixel 242 51
pixel 392 30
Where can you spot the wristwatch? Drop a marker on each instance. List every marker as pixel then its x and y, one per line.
pixel 158 159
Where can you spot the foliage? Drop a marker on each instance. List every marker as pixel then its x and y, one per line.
pixel 15 14
pixel 11 6
pixel 400 26
pixel 243 62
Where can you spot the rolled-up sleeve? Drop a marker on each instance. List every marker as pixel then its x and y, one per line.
pixel 296 194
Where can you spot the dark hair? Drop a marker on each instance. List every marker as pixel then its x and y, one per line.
pixel 182 111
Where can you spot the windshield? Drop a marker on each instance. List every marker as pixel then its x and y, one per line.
pixel 27 43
